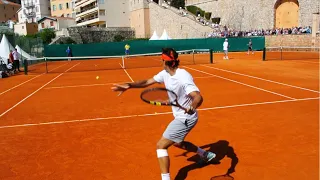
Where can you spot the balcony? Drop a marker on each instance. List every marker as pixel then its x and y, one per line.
pixel 82 3
pixel 29 5
pixel 86 11
pixel 88 21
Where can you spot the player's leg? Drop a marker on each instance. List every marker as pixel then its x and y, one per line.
pixel 227 54
pixel 163 157
pixel 184 129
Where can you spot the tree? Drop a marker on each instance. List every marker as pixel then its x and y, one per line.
pixel 177 3
pixel 47 35
pixel 118 38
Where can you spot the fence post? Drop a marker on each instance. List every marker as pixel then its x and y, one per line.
pixel 211 56
pixel 25 64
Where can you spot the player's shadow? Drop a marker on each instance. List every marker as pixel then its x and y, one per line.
pixel 220 148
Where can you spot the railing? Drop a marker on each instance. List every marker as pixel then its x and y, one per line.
pixel 86 9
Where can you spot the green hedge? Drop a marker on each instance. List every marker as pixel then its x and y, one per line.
pixel 208 15
pixel 193 10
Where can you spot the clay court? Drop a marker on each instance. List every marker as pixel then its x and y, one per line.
pixel 66 124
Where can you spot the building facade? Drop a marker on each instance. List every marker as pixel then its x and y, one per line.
pixel 33 10
pixel 62 8
pixel 55 23
pixel 8 11
pixel 102 13
pixel 140 18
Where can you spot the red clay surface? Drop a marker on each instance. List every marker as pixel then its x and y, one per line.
pixel 72 126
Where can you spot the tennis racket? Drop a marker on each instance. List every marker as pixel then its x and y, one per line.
pixel 160 97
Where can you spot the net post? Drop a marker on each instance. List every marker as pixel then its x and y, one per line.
pixel 211 56
pixel 264 54
pixel 193 57
pixel 123 66
pixel 281 53
pixel 25 64
pixel 45 59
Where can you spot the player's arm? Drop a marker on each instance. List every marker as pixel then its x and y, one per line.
pixel 137 84
pixel 142 83
pixel 196 101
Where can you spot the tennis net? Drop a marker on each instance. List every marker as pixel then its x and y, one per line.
pixel 291 53
pixel 97 63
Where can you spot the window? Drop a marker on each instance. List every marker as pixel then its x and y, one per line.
pixel 53 7
pixel 22 27
pixel 60 6
pixel 49 8
pixel 5 15
pixel 101 1
pixel 4 7
pixel 67 5
pixel 14 16
pixel 68 15
pixel 102 12
pixel 51 23
pixel 37 9
pixel 42 25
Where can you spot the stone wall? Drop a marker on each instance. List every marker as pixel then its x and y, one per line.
pixel 83 35
pixel 254 14
pixel 177 26
pixel 293 41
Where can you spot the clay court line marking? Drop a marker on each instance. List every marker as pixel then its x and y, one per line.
pixel 106 84
pixel 241 83
pixel 163 113
pixel 35 91
pixel 126 73
pixel 84 85
pixel 28 80
pixel 261 79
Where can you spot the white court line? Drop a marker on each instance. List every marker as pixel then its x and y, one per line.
pixel 153 114
pixel 126 73
pixel 106 84
pixel 241 83
pixel 261 78
pixel 28 81
pixel 84 85
pixel 201 77
pixel 35 91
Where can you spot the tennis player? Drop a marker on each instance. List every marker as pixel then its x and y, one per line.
pixel 225 49
pixel 250 47
pixel 127 49
pixel 180 82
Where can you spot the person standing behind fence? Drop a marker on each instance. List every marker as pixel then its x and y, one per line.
pixel 225 49
pixel 250 47
pixel 127 49
pixel 69 53
pixel 16 61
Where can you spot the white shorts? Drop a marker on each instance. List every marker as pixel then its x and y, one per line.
pixel 178 129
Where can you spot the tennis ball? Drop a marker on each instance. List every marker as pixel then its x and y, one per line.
pixel 97 77
pixel 155 112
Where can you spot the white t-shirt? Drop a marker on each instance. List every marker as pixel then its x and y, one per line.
pixel 225 46
pixel 182 84
pixel 15 55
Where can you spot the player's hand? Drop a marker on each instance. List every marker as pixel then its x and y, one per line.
pixel 121 88
pixel 190 110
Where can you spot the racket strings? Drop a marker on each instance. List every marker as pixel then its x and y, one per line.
pixel 158 96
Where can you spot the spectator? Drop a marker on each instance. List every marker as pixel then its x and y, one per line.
pixel 69 53
pixel 16 61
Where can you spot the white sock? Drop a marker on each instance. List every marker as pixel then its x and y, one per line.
pixel 165 176
pixel 201 152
